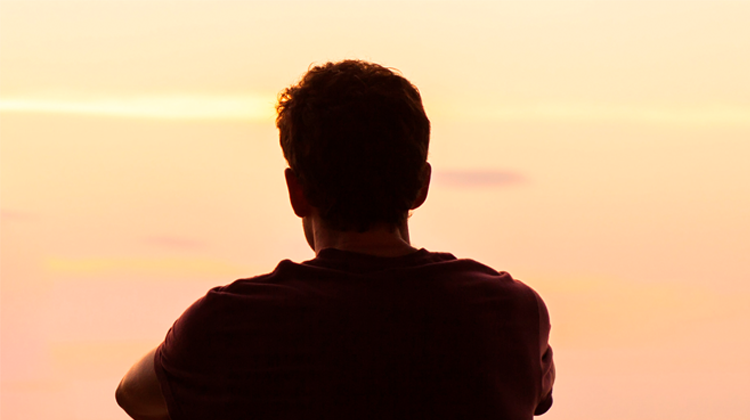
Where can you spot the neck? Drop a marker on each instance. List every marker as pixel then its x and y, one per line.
pixel 380 240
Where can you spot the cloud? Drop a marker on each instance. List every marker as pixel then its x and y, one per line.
pixel 10 215
pixel 144 266
pixel 173 242
pixel 594 311
pixel 476 178
pixel 598 113
pixel 194 106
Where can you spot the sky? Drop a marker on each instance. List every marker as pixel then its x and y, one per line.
pixel 595 150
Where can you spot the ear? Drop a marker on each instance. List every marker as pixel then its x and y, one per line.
pixel 422 194
pixel 300 205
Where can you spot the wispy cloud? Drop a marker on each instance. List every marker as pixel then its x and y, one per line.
pixel 476 178
pixel 173 242
pixel 580 113
pixel 239 107
pixel 11 215
pixel 599 310
pixel 144 266
pixel 260 107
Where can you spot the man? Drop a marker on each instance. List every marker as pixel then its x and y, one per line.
pixel 372 328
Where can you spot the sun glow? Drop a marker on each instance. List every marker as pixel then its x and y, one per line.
pixel 240 107
pixel 261 108
pixel 594 113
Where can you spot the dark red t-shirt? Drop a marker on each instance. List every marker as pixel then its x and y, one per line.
pixel 353 336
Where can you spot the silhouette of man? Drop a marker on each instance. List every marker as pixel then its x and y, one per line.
pixel 372 328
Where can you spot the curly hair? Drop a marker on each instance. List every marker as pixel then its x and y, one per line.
pixel 356 136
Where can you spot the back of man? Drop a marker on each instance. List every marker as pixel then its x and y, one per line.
pixel 372 327
pixel 355 336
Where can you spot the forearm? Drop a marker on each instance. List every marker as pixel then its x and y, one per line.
pixel 139 392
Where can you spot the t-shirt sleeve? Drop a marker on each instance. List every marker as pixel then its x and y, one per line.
pixel 547 364
pixel 180 358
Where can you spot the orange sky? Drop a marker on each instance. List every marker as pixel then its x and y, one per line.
pixel 595 150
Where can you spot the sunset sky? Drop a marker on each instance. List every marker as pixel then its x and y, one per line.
pixel 596 150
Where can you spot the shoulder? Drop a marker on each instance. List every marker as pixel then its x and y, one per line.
pixel 274 282
pixel 489 284
pixel 212 318
pixel 481 274
pixel 222 301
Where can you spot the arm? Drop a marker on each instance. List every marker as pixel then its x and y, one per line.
pixel 139 392
pixel 548 379
pixel 547 364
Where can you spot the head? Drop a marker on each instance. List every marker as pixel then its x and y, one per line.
pixel 356 138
